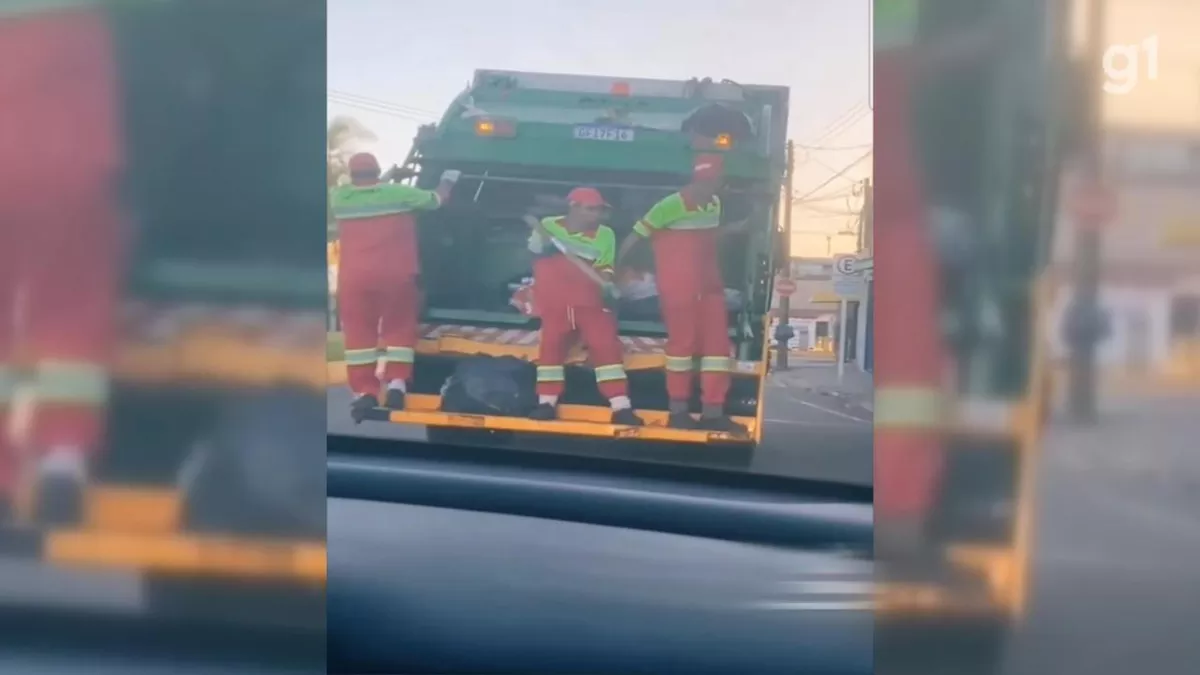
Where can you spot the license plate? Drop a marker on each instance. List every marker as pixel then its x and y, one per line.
pixel 590 132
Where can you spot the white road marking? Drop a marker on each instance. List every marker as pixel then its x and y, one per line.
pixel 830 411
pixel 804 423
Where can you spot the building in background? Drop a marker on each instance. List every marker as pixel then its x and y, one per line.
pixel 1150 277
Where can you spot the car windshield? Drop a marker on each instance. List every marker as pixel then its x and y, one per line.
pixel 662 255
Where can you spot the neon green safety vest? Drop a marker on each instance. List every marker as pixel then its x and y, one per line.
pixel 895 23
pixel 598 247
pixel 672 214
pixel 349 202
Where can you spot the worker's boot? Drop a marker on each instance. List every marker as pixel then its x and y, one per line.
pixel 394 400
pixel 544 412
pixel 62 477
pixel 679 417
pixel 626 417
pixel 713 418
pixel 361 407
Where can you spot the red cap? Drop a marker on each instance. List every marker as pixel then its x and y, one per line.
pixel 362 162
pixel 586 196
pixel 708 167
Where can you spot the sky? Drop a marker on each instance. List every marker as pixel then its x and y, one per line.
pixel 396 64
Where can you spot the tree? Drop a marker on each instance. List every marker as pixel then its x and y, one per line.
pixel 343 138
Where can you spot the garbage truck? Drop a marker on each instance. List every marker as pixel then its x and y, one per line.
pixel 523 140
pixel 996 166
pixel 211 484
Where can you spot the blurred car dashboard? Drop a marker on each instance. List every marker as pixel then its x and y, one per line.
pixel 475 560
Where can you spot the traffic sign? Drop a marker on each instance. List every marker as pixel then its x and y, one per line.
pixel 784 286
pixel 847 282
pixel 845 265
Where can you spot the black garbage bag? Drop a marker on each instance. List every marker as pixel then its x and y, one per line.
pixel 490 385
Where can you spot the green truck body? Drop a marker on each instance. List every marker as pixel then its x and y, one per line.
pixel 519 138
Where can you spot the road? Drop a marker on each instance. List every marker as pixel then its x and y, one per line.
pixel 1116 584
pixel 807 434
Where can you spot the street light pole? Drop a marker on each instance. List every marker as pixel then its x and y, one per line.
pixel 785 299
pixel 1082 318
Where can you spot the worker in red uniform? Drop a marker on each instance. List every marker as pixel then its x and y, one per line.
pixel 571 301
pixel 61 160
pixel 379 278
pixel 911 356
pixel 683 229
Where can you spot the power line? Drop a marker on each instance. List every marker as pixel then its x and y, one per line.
pixel 838 121
pixel 836 175
pixel 826 198
pixel 844 121
pixel 382 102
pixel 378 110
pixel 853 181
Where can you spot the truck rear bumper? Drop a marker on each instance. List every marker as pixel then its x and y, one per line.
pixel 173 554
pixel 574 420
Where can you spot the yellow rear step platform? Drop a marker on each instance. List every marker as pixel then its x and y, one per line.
pixel 139 528
pixel 574 420
pixel 188 554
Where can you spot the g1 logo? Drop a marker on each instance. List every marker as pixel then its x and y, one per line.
pixel 1123 65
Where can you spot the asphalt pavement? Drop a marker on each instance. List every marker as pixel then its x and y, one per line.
pixel 1116 586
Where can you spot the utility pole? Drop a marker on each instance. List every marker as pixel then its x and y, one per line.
pixel 866 220
pixel 785 299
pixel 1083 317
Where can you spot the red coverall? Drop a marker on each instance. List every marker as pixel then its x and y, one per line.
pixel 909 352
pixel 61 151
pixel 569 304
pixel 690 289
pixel 378 275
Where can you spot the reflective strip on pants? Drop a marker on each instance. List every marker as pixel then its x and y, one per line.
pixel 361 357
pixel 8 385
pixel 551 374
pixel 76 383
pixel 909 408
pixel 399 354
pixel 716 364
pixel 610 373
pixel 681 364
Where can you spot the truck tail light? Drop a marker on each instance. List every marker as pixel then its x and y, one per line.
pixel 495 128
pixel 719 142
